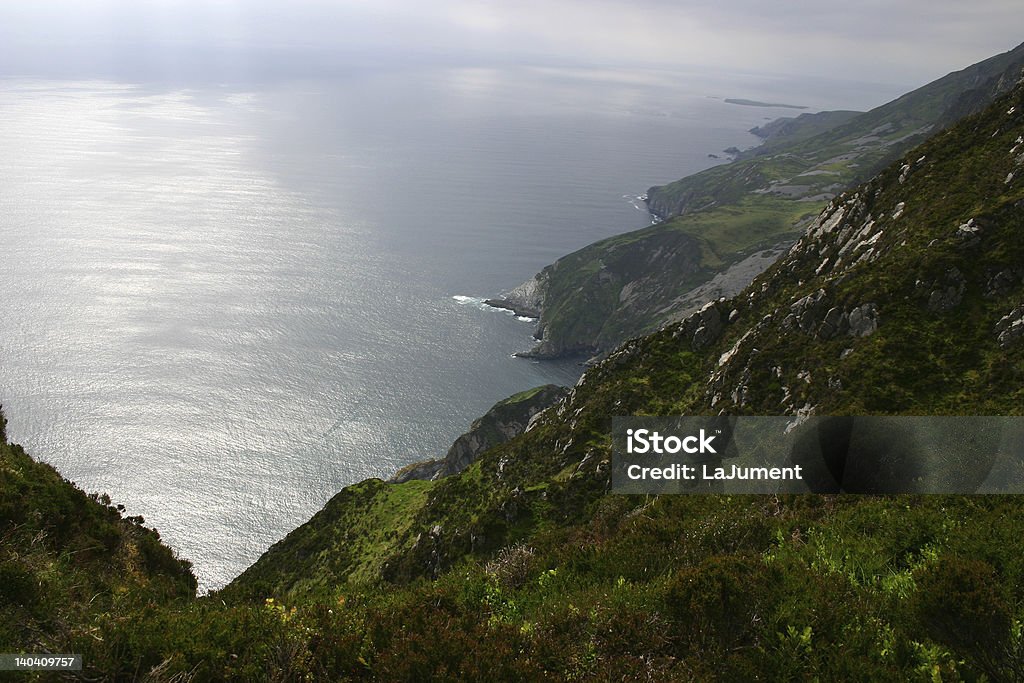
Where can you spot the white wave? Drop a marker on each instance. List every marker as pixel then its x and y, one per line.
pixel 638 201
pixel 478 302
pixel 482 304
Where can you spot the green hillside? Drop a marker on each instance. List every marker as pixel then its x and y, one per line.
pixel 717 221
pixel 70 565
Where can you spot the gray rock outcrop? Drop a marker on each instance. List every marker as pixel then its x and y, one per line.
pixel 505 420
pixel 863 320
pixel 1010 328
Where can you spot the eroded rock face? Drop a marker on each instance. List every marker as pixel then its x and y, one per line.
pixel 813 315
pixel 1001 282
pixel 710 327
pixel 1010 328
pixel 835 322
pixel 969 234
pixel 806 313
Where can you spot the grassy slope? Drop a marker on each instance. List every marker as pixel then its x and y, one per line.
pixel 786 131
pixel 68 561
pixel 348 540
pixel 877 137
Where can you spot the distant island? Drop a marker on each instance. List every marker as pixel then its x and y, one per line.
pixel 755 103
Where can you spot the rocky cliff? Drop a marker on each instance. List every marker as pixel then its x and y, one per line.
pixel 507 419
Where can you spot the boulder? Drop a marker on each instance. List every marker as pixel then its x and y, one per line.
pixel 863 320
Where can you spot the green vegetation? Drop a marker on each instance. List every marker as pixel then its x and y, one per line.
pixel 872 140
pixel 554 578
pixel 69 562
pixel 753 223
pixel 349 540
pixel 521 397
pixel 506 419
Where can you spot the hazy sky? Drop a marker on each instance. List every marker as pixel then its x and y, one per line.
pixel 906 42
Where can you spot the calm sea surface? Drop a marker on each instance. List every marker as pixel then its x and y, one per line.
pixel 223 304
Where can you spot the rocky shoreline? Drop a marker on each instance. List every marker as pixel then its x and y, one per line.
pixel 526 300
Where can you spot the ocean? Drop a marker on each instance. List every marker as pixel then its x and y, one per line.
pixel 223 303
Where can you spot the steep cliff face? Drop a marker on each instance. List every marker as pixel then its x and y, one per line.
pixel 632 284
pixel 717 219
pixel 604 286
pixel 527 299
pixel 898 291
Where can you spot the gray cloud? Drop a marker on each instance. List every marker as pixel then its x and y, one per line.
pixel 907 42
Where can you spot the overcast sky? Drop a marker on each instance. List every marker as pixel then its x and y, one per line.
pixel 904 42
